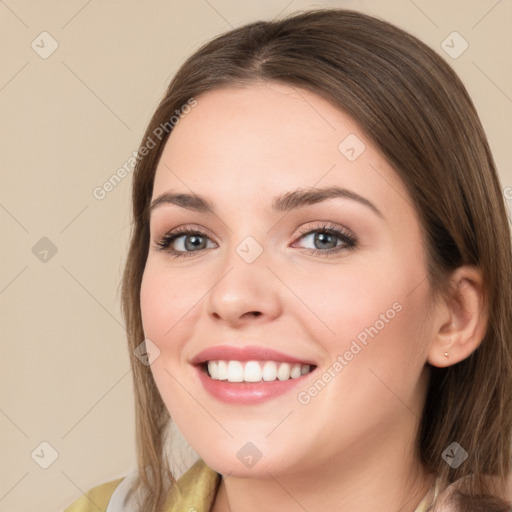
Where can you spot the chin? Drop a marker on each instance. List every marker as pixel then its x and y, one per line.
pixel 249 462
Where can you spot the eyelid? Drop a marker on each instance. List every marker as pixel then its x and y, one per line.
pixel 348 238
pixel 327 226
pixel 185 228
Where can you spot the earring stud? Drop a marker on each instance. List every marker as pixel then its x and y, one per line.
pixel 446 354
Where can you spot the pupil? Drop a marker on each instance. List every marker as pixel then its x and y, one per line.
pixel 322 237
pixel 195 241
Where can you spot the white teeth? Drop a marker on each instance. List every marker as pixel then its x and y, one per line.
pixel 213 369
pixel 222 370
pixel 283 372
pixel 252 371
pixel 269 371
pixel 255 371
pixel 235 371
pixel 296 371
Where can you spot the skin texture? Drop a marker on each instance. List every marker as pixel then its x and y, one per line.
pixel 351 447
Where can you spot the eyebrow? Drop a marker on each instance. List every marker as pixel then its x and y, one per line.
pixel 290 201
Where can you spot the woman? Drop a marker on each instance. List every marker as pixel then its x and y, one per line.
pixel 373 373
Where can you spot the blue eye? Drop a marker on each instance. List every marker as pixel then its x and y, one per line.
pixel 194 241
pixel 326 234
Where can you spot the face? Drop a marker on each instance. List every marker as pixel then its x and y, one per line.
pixel 316 301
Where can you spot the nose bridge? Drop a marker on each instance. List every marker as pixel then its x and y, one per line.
pixel 244 284
pixel 247 239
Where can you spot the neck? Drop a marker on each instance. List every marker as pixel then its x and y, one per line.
pixel 369 476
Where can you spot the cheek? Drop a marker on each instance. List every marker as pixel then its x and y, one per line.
pixel 165 309
pixel 153 303
pixel 164 305
pixel 386 347
pixel 376 312
pixel 344 302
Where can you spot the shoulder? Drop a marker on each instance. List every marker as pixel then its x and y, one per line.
pixel 95 499
pixel 445 503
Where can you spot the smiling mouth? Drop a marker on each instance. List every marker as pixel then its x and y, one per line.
pixel 254 371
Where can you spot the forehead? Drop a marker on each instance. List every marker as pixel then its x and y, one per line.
pixel 250 143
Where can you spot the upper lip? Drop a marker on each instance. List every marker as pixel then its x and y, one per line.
pixel 247 353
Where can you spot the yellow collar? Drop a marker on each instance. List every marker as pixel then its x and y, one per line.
pixel 195 490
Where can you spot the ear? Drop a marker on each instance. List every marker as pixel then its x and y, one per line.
pixel 461 319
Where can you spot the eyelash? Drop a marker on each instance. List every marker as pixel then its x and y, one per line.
pixel 349 241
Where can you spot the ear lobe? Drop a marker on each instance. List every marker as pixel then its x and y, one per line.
pixel 464 319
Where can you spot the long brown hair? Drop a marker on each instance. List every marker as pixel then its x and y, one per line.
pixel 417 112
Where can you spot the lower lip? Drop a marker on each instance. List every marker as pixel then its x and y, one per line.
pixel 247 392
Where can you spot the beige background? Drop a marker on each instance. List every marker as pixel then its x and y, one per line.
pixel 68 122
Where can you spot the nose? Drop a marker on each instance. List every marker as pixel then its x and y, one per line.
pixel 244 293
